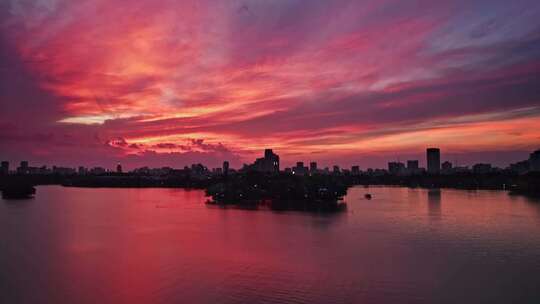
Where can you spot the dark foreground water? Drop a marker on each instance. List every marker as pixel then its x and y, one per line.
pixel 71 245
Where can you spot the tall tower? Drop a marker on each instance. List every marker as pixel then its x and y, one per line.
pixel 5 168
pixel 534 161
pixel 23 168
pixel 119 168
pixel 225 167
pixel 313 167
pixel 433 160
pixel 271 161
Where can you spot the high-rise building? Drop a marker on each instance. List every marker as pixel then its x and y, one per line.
pixel 521 167
pixel 300 169
pixel 5 168
pixel 23 168
pixel 355 170
pixel 336 170
pixel 313 167
pixel 534 161
pixel 82 170
pixel 396 168
pixel 119 168
pixel 433 160
pixel 412 165
pixel 225 167
pixel 269 163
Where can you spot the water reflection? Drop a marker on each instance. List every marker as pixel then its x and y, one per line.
pixel 533 199
pixel 162 246
pixel 434 203
pixel 318 219
pixel 18 202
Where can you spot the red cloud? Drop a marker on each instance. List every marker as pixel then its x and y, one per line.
pixel 224 79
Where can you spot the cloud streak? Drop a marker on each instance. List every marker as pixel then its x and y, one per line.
pixel 313 79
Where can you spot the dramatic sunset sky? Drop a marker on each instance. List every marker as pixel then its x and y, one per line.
pixel 173 82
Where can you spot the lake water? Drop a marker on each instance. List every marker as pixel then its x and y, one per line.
pixel 74 245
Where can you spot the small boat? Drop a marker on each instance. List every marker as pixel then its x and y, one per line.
pixel 367 196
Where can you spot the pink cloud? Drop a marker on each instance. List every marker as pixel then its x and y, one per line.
pixel 155 80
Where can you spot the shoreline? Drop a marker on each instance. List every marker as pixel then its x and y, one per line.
pixel 367 186
pixel 286 186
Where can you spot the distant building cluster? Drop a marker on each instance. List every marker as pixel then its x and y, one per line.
pixel 434 166
pixel 25 169
pixel 530 165
pixel 270 163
